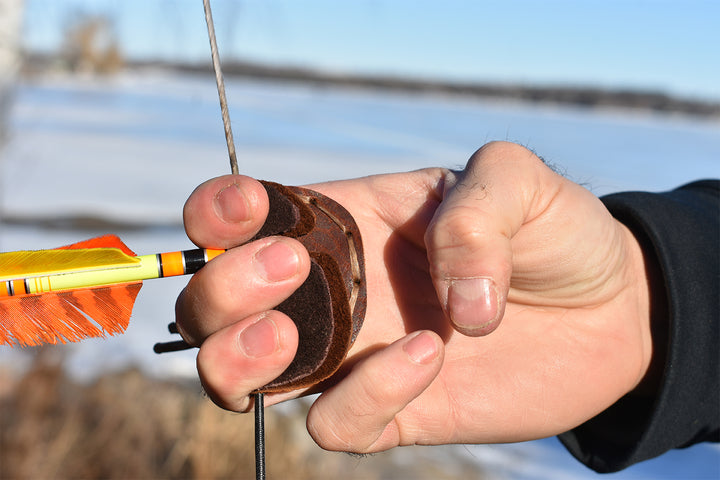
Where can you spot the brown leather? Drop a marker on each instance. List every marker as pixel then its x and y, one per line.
pixel 329 307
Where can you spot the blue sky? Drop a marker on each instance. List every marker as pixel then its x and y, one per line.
pixel 654 44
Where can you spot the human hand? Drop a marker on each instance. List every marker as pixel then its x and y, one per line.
pixel 505 241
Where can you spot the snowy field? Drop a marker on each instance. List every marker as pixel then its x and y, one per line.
pixel 132 148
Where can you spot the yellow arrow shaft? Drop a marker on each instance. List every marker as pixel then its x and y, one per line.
pixel 147 267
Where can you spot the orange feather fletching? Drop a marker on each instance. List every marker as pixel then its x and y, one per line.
pixel 106 241
pixel 69 315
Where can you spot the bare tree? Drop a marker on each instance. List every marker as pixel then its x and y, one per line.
pixel 90 45
pixel 10 22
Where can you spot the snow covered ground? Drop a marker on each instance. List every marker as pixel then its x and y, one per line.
pixel 130 149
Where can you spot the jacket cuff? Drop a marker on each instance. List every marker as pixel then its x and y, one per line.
pixel 680 231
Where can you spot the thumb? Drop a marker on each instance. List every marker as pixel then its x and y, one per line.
pixel 468 240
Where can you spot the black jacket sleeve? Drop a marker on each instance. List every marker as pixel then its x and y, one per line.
pixel 681 230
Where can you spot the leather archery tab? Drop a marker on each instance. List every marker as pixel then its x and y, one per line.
pixel 288 215
pixel 329 308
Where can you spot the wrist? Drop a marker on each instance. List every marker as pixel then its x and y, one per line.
pixel 646 279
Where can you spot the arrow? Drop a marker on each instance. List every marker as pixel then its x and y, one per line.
pixel 82 290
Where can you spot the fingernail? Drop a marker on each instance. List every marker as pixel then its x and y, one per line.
pixel 473 305
pixel 276 262
pixel 421 348
pixel 231 205
pixel 259 339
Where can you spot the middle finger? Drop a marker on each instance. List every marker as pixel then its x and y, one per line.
pixel 243 281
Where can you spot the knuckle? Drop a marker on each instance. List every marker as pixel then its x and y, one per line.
pixel 502 153
pixel 226 392
pixel 459 227
pixel 327 433
pixel 186 318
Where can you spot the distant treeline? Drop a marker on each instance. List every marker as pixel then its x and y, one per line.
pixel 583 96
pixel 571 95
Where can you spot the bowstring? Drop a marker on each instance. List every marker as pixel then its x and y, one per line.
pixel 220 87
pixel 258 397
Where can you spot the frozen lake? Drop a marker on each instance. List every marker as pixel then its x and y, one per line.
pixel 131 149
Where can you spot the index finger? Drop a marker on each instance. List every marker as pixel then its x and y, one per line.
pixel 225 212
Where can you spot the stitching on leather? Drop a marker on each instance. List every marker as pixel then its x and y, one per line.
pixel 354 262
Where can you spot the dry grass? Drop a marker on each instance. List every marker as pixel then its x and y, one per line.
pixel 128 426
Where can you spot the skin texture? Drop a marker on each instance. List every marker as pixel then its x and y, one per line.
pixel 504 304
